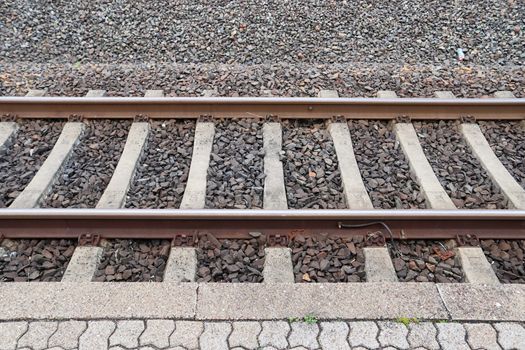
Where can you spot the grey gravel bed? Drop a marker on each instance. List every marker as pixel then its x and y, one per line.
pixel 458 170
pixel 161 176
pixel 231 260
pixel 34 260
pixel 328 259
pixel 255 32
pixel 280 79
pixel 384 169
pixel 311 171
pixel 426 261
pixel 20 161
pixel 507 258
pixel 126 260
pixel 236 173
pixel 84 178
pixel 507 140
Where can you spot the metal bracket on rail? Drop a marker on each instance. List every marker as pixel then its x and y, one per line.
pixel 277 240
pixel 88 239
pixel 467 240
pixel 141 118
pixel 272 118
pixel 8 118
pixel 403 119
pixel 183 240
pixel 75 118
pixel 467 119
pixel 338 119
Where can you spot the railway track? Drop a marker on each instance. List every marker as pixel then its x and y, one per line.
pixel 304 211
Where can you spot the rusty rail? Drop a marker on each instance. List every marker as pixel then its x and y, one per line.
pixel 261 107
pixel 226 223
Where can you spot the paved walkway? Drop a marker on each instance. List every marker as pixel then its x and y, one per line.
pixel 285 334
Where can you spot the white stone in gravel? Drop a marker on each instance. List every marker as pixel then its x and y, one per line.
pixel 245 334
pixel 482 336
pixel 304 334
pixel 215 336
pixel 393 334
pixel 10 332
pixel 423 335
pixel 186 334
pixel 363 334
pixel 452 336
pixel 274 334
pixel 157 333
pixel 511 335
pixel 96 335
pixel 37 335
pixel 334 336
pixel 67 334
pixel 127 333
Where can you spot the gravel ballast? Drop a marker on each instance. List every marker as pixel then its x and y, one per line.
pixel 281 79
pixel 133 261
pixel 34 260
pixel 231 260
pixel 84 178
pixel 161 175
pixel 384 169
pixel 252 33
pixel 507 140
pixel 328 259
pixel 507 258
pixel 426 261
pixel 20 161
pixel 236 174
pixel 311 172
pixel 457 169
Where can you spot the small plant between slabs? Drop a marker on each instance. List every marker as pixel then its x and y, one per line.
pixel 407 320
pixel 308 319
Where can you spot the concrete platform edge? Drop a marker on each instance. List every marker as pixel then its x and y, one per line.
pixel 216 301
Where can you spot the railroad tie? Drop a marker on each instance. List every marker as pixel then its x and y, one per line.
pixel 9 129
pixel 114 195
pixel 435 195
pixel 378 265
pixel 274 189
pixel 475 266
pixel 181 265
pixel 154 93
pixel 83 264
pixel 195 192
pixel 500 176
pixel 278 266
pixel 355 193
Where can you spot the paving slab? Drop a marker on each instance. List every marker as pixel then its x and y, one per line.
pixel 324 300
pixel 479 302
pixel 274 189
pixel 475 266
pixel 50 169
pixel 10 333
pixel 93 300
pixel 114 195
pixel 195 193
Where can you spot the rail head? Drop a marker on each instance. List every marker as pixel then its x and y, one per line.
pixel 261 107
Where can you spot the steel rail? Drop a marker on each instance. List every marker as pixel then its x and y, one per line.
pixel 234 223
pixel 261 107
